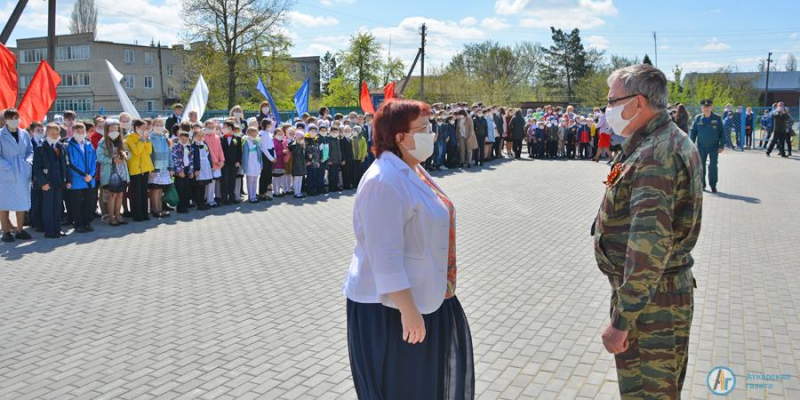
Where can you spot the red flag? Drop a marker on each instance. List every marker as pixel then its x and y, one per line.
pixel 40 95
pixel 366 101
pixel 8 78
pixel 388 91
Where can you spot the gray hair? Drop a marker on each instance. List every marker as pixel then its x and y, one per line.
pixel 646 80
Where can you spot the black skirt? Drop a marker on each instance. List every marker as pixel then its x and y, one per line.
pixel 386 367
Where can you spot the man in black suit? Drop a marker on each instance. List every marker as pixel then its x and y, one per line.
pixel 175 118
pixel 50 170
pixel 232 150
pixel 481 130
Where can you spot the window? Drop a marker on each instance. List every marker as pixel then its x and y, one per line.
pixel 33 56
pixel 130 56
pixel 150 105
pixel 75 79
pixel 68 53
pixel 170 91
pixel 169 70
pixel 24 81
pixel 73 104
pixel 148 82
pixel 129 81
pixel 148 57
pixel 305 69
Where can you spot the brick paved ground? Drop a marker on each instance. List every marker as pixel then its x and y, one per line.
pixel 248 305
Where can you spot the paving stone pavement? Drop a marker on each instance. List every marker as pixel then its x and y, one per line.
pixel 248 304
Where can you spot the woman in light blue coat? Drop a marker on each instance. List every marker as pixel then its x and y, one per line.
pixel 16 164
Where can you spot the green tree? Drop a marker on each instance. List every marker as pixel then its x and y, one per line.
pixel 646 60
pixel 234 29
pixel 328 71
pixel 393 69
pixel 566 61
pixel 83 18
pixel 341 92
pixel 618 62
pixel 361 60
pixel 676 92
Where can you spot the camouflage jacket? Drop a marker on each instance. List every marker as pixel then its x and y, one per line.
pixel 649 219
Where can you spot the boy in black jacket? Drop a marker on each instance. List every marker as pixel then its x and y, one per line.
pixel 50 170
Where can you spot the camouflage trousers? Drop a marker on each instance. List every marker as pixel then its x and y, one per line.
pixel 654 366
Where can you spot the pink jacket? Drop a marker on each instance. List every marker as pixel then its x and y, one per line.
pixel 280 160
pixel 215 148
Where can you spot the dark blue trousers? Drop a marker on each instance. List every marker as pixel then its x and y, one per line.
pixel 52 206
pixel 36 209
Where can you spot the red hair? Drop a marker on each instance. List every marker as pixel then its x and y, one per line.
pixel 395 116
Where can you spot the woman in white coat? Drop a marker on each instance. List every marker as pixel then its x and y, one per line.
pixel 16 164
pixel 408 336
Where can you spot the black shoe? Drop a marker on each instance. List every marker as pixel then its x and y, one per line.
pixel 81 229
pixel 89 228
pixel 22 235
pixel 7 237
pixel 62 234
pixel 713 190
pixel 182 211
pixel 165 207
pixel 52 235
pixel 126 214
pixel 38 229
pixel 237 201
pixel 767 154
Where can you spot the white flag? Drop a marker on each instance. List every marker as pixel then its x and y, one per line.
pixel 198 101
pixel 127 106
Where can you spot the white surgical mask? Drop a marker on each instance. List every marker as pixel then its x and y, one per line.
pixel 113 135
pixel 323 133
pixel 79 137
pixel 279 138
pixel 265 110
pixel 158 130
pixel 12 123
pixel 614 118
pixel 125 125
pixel 423 146
pixel 52 141
pixel 38 135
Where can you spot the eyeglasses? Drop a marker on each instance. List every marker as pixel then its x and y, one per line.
pixel 611 101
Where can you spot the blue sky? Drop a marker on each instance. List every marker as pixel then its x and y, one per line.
pixel 697 35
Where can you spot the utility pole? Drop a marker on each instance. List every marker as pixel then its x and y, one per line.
pixel 655 47
pixel 422 66
pixel 51 42
pixel 766 84
pixel 161 77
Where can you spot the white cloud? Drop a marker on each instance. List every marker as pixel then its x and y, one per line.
pixel 305 20
pixel 701 66
pixel 148 22
pixel 494 24
pixel 332 2
pixel 714 44
pixel 443 40
pixel 664 47
pixel 793 35
pixel 509 7
pixel 748 60
pixel 598 42
pixel 563 14
pixel 469 21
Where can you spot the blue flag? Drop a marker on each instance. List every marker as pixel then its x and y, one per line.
pixel 263 89
pixel 301 98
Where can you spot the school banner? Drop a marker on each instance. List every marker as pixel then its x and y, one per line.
pixel 8 78
pixel 264 92
pixel 39 96
pixel 116 77
pixel 366 101
pixel 301 98
pixel 197 101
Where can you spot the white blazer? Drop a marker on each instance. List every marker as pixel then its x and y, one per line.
pixel 402 232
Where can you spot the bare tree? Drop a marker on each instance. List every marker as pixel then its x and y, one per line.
pixel 791 63
pixel 234 27
pixel 84 17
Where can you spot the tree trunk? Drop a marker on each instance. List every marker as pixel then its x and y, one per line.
pixel 231 81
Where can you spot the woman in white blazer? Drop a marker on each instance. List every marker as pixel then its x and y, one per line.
pixel 408 337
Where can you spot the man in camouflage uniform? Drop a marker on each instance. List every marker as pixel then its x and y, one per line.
pixel 646 228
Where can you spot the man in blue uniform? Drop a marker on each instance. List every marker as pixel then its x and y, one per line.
pixel 708 134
